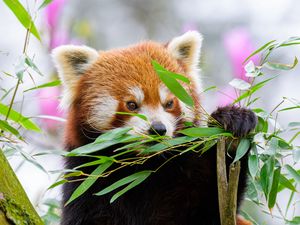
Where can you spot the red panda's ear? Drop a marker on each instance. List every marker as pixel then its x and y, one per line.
pixel 71 62
pixel 187 48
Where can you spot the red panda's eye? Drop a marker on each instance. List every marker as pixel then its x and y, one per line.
pixel 169 104
pixel 131 106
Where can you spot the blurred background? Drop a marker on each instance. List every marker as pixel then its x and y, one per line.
pixel 232 29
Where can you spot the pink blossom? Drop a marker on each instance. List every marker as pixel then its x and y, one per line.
pixel 52 12
pixel 226 96
pixel 58 38
pixel 239 46
pixel 48 105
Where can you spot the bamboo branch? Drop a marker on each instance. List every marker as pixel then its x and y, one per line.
pixel 15 207
pixel 227 189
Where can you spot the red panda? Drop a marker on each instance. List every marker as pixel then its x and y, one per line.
pixel 99 84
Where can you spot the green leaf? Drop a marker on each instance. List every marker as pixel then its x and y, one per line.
pixel 33 161
pixel 89 181
pixel 60 182
pixel 293 173
pixel 22 15
pixel 49 84
pixel 242 149
pixel 161 69
pixel 6 127
pixel 167 144
pixel 19 118
pixel 279 66
pixel 6 93
pixel 90 148
pixel 209 88
pixel 296 154
pixel 262 125
pixel 294 124
pixel 289 108
pixel 252 101
pixel 113 134
pixel 294 221
pixel 274 189
pixel 44 4
pixel 124 181
pixel 259 50
pixel 252 90
pixel 130 186
pixel 266 176
pixel 253 165
pixel 203 131
pixel 173 85
pixel 32 65
pixel 240 84
pixel 102 160
pixel 141 116
pixel 20 67
pixel 285 183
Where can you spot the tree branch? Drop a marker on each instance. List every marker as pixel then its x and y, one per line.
pixel 15 207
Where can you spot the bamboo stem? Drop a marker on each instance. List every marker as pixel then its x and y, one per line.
pixel 227 189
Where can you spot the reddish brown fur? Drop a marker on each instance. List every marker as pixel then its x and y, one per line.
pixel 118 70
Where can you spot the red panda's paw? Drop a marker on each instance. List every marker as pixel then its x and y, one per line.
pixel 241 221
pixel 239 121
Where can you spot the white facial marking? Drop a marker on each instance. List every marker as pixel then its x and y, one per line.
pixel 103 111
pixel 163 93
pixel 137 93
pixel 154 115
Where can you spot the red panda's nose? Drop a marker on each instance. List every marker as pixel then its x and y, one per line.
pixel 158 128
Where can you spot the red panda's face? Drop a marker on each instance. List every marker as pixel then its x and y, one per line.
pixel 99 85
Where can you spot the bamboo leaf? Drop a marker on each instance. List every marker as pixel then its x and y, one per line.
pixel 4 125
pixel 60 182
pixel 252 90
pixel 124 181
pixel 274 189
pixel 259 50
pixel 203 131
pixel 173 85
pixel 177 76
pixel 242 149
pixel 32 65
pixel 22 15
pixel 45 3
pixel 253 165
pixel 89 181
pixel 139 180
pixel 19 118
pixel 293 173
pixel 167 144
pixel 285 183
pixel 280 66
pixel 48 84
